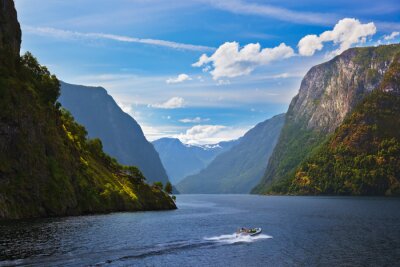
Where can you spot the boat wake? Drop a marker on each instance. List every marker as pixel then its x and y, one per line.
pixel 234 238
pixel 130 254
pixel 206 242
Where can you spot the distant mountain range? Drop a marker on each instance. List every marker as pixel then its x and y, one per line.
pixel 121 135
pixel 241 168
pixel 181 160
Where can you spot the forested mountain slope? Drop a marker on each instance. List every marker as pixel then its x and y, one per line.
pixel 328 93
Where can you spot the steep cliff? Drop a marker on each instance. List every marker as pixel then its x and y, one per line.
pixel 120 134
pixel 10 32
pixel 327 94
pixel 241 168
pixel 47 165
pixel 362 157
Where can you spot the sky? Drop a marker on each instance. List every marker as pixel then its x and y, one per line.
pixel 203 71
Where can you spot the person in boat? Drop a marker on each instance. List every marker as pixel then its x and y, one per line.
pixel 243 230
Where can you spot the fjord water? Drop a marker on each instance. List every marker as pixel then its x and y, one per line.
pixel 304 231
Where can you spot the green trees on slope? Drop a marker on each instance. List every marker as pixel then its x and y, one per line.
pixel 48 166
pixel 305 147
pixel 363 155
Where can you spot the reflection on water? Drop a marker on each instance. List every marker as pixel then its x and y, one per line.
pixel 296 231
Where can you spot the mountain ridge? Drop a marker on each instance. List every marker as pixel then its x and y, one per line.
pixel 121 135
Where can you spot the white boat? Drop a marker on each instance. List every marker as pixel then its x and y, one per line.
pixel 250 232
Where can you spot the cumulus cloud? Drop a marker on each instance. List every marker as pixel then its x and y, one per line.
pixel 346 33
pixel 194 120
pixel 392 36
pixel 181 78
pixel 172 103
pixel 210 134
pixel 229 60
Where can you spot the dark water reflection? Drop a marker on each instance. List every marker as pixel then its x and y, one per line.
pixel 305 231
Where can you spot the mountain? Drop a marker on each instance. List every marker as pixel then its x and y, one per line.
pixel 328 93
pixel 47 165
pixel 362 156
pixel 241 168
pixel 174 153
pixel 120 134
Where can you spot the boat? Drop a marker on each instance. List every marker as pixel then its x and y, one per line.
pixel 248 231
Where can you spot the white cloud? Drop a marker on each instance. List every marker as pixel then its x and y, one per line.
pixel 125 107
pixel 309 44
pixel 210 134
pixel 172 103
pixel 392 36
pixel 229 60
pixel 223 82
pixel 154 132
pixel 65 34
pixel 243 7
pixel 181 78
pixel 284 75
pixel 346 33
pixel 200 78
pixel 194 120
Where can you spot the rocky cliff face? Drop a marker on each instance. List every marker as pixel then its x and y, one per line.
pixel 10 32
pixel 362 156
pixel 330 90
pixel 391 81
pixel 327 94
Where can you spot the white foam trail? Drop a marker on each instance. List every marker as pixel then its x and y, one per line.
pixel 234 238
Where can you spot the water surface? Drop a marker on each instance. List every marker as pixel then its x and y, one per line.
pixel 305 231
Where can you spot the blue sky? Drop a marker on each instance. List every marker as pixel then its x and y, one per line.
pixel 148 54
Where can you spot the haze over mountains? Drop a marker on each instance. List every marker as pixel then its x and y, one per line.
pixel 121 135
pixel 239 169
pixel 181 160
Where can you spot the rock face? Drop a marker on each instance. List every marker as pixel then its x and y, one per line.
pixel 120 134
pixel 330 90
pixel 241 168
pixel 10 32
pixel 362 156
pixel 391 81
pixel 327 94
pixel 183 160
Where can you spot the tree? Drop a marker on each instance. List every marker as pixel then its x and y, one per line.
pixel 168 188
pixel 158 185
pixel 134 173
pixel 47 84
